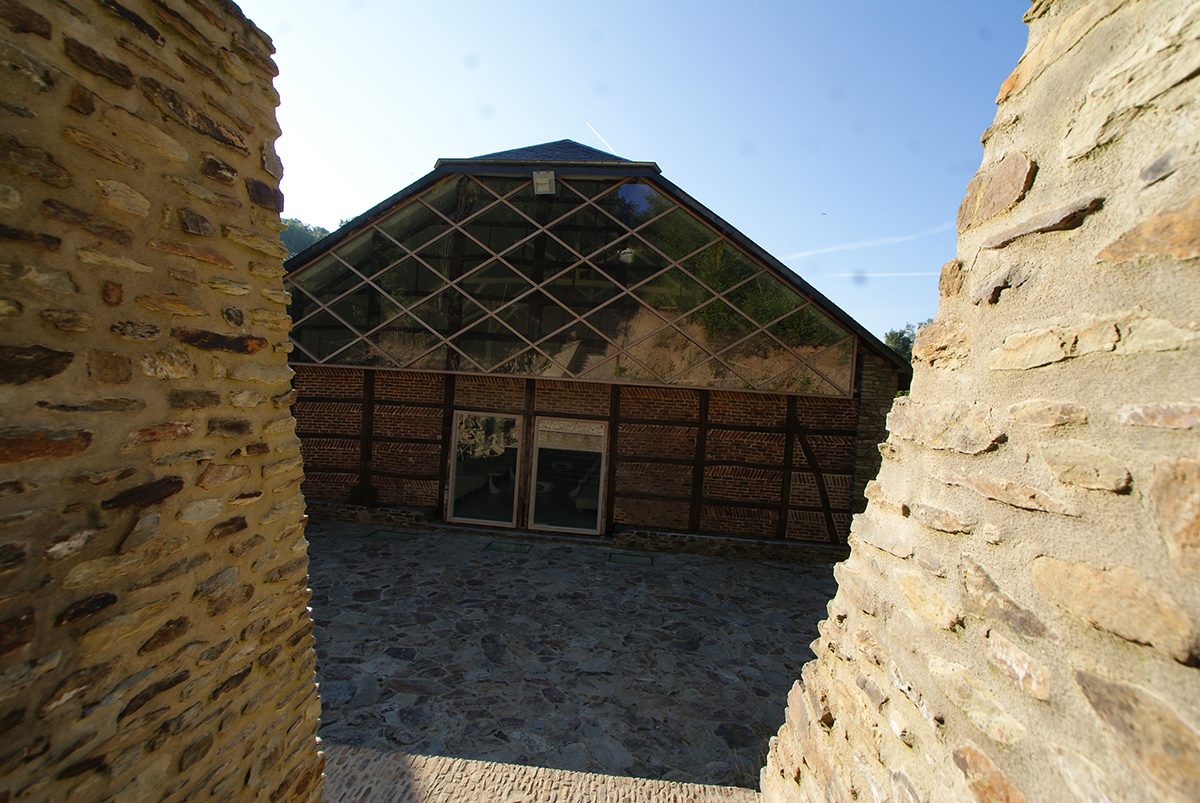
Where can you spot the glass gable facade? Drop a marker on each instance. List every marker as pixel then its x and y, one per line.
pixel 602 280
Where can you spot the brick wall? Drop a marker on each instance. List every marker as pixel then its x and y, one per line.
pixel 1019 618
pixel 878 387
pixel 154 637
pixel 744 463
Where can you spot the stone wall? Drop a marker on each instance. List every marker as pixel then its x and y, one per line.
pixel 154 636
pixel 1019 619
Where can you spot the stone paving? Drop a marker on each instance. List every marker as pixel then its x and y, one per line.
pixel 435 642
pixel 363 775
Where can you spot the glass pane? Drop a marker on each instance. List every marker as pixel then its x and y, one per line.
pixel 494 285
pixel 322 334
pixel 589 187
pixel 326 279
pixel 635 202
pixel 712 374
pixel 571 347
pixel 803 380
pixel 629 261
pixel 488 342
pixel 370 252
pixel 581 289
pixel 721 266
pixel 837 365
pixel 361 353
pixel 808 331
pixel 535 316
pixel 413 225
pixel 625 320
pixel 673 293
pixel 458 197
pixel 300 305
pixel 440 359
pixel 544 209
pixel 454 255
pixel 667 353
pixel 499 228
pixel 678 234
pixel 409 282
pixel 587 230
pixel 540 257
pixel 568 474
pixel 404 339
pixel 484 483
pixel 759 359
pixel 530 362
pixel 448 312
pixel 501 185
pixel 365 308
pixel 716 326
pixel 765 298
pixel 620 368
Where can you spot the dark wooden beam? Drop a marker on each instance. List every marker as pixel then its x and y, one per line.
pixel 698 464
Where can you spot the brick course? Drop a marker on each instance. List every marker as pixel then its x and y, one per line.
pixel 745 440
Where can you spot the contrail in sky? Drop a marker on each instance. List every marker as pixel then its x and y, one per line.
pixel 602 139
pixel 881 275
pixel 867 243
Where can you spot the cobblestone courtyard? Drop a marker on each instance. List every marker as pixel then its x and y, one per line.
pixel 568 656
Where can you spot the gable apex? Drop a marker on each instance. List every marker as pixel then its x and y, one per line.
pixel 563 150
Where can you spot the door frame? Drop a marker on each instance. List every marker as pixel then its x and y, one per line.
pixel 452 473
pixel 531 487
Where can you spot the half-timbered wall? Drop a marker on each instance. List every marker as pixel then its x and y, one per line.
pixel 692 460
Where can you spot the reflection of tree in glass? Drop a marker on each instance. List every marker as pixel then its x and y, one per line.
pixel 482 436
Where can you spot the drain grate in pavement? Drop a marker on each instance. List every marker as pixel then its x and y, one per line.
pixel 637 560
pixel 502 546
pixel 394 535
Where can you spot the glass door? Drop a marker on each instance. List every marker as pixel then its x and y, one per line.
pixel 483 480
pixel 567 492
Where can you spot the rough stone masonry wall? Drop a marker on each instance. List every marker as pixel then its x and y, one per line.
pixel 1019 619
pixel 154 639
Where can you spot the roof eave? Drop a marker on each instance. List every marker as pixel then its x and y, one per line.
pixel 526 164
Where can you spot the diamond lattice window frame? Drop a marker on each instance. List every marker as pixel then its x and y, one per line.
pixel 673 325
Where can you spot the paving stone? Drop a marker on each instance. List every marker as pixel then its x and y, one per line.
pixel 657 670
pixel 370 775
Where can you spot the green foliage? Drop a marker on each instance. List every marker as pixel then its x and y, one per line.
pixel 299 235
pixel 901 340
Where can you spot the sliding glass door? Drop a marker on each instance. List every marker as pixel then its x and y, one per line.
pixel 483 483
pixel 567 491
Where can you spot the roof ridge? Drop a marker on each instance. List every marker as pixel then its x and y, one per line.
pixel 562 150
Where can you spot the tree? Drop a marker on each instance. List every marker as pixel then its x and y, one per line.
pixel 901 340
pixel 299 235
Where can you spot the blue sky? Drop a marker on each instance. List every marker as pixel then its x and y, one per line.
pixel 838 136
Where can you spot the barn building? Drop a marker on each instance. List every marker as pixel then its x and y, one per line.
pixel 555 338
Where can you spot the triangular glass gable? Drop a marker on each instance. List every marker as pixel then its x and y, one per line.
pixel 603 279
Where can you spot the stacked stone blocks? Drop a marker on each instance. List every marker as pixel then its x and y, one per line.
pixel 1019 619
pixel 154 636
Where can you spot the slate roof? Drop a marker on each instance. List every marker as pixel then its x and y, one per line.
pixel 564 150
